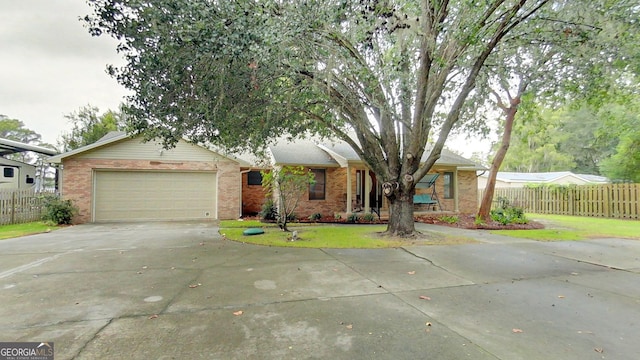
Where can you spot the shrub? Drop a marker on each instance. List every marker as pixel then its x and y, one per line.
pixel 269 211
pixel 337 216
pixel 58 211
pixel 353 218
pixel 369 217
pixel 449 219
pixel 509 215
pixel 315 217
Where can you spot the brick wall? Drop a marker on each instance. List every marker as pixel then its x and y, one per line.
pixel 77 182
pixel 253 196
pixel 468 192
pixel 335 196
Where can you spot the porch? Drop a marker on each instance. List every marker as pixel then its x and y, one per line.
pixel 384 214
pixel 435 193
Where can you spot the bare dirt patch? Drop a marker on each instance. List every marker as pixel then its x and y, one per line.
pixel 427 238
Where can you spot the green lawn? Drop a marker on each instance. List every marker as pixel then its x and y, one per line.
pixel 17 230
pixel 328 236
pixel 562 228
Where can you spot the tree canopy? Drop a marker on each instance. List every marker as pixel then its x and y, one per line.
pixel 89 126
pixel 13 129
pixel 395 73
pixel 581 136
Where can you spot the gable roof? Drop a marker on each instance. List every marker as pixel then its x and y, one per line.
pixel 301 152
pixel 339 153
pixel 110 138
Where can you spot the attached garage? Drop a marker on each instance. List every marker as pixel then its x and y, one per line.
pixel 154 195
pixel 122 178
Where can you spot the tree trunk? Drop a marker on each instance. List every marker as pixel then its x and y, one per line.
pixel 401 222
pixel 489 189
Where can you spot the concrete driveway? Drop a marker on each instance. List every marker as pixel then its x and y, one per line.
pixel 178 291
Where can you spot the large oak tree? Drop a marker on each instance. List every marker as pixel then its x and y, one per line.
pixel 241 73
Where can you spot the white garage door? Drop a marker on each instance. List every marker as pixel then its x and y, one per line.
pixel 151 195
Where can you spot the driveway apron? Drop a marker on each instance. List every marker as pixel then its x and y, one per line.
pixel 178 290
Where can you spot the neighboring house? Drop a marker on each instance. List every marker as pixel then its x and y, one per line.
pixel 344 184
pixel 120 178
pixel 16 174
pixel 518 180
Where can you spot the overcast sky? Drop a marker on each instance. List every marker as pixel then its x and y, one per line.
pixel 50 66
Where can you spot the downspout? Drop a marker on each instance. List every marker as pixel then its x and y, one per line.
pixel 456 192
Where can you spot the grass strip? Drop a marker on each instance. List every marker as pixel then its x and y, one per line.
pixel 17 230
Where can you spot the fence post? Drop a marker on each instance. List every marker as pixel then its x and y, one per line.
pixel 571 199
pixel 607 202
pixel 13 207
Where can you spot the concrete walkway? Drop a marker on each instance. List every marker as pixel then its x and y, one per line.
pixel 178 291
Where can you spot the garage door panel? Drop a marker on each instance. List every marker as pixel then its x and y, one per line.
pixel 148 195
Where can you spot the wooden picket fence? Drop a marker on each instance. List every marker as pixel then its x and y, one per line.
pixel 20 206
pixel 620 201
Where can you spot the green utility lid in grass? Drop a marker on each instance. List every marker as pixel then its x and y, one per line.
pixel 253 231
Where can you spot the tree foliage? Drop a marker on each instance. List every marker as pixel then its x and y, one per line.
pixel 13 129
pixel 585 137
pixel 241 73
pixel 567 51
pixel 535 143
pixel 89 126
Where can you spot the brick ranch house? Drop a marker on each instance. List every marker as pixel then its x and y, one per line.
pixel 345 185
pixel 120 178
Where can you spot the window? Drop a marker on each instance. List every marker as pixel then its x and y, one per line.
pixel 8 172
pixel 317 189
pixel 448 185
pixel 254 178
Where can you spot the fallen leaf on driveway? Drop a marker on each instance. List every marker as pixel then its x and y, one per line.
pixel 428 324
pixel 349 327
pixel 154 316
pixel 517 331
pixel 560 296
pixel 599 350
pixel 411 273
pixel 193 286
pixel 422 297
pixel 238 313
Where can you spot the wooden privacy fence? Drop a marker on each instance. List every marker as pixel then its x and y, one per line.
pixel 20 206
pixel 608 200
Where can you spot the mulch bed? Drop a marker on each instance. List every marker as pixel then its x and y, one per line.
pixel 465 221
pixel 469 222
